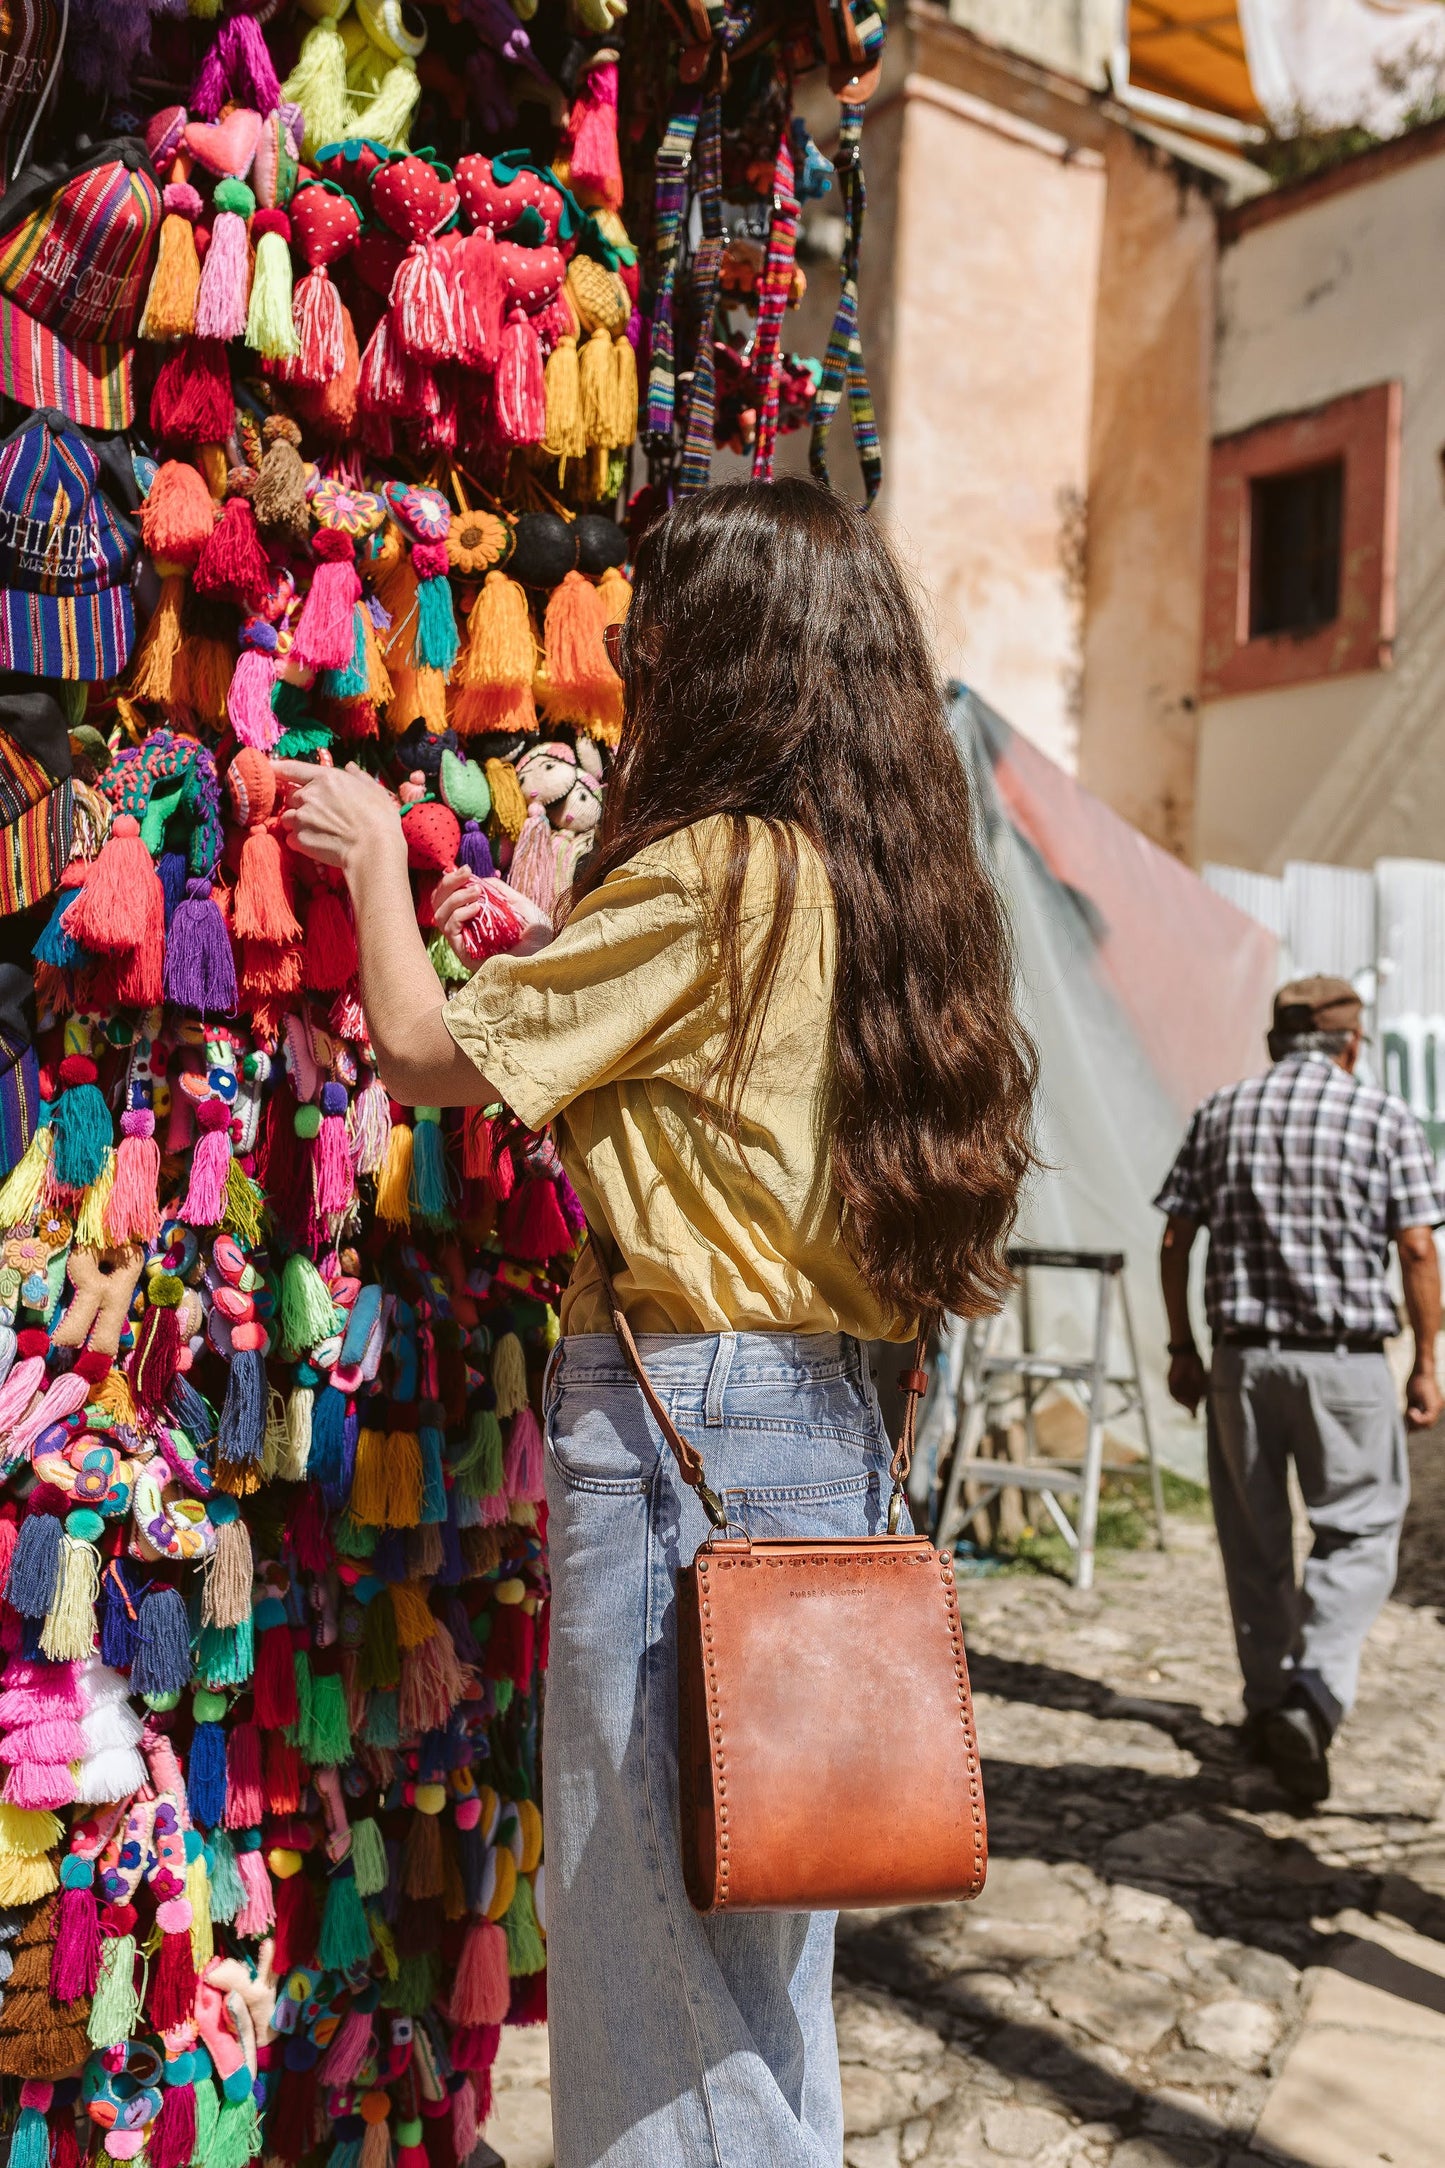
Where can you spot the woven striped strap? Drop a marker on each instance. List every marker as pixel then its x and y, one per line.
pixel 843 361
pixel 696 465
pixel 674 157
pixel 773 290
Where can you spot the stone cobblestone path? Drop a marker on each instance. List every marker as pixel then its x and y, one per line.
pixel 1167 1969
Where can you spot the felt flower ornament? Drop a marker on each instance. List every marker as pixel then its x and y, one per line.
pixel 477 542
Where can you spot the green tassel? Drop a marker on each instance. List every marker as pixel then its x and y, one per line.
pixel 350 683
pixel 383 1720
pixel 380 1656
pixel 228 1891
pixel 306 738
pixel 477 1470
pixel 431 1186
pixel 243 1212
pixel 417 1980
pixel 368 1858
pixel 526 1951
pixel 325 1738
pixel 226 1655
pixel 502 1695
pixel 237 2138
pixel 116 2007
pixel 83 1135
pixel 445 961
pixel 353 1539
pixel 307 1311
pixel 270 329
pixel 436 626
pixel 345 1937
pixel 208 2109
pixel 296 1732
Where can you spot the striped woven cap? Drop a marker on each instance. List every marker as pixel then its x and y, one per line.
pixel 75 261
pixel 66 558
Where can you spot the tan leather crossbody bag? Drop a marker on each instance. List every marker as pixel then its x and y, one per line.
pixel 826 1749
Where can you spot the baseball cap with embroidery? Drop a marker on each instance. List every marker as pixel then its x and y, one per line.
pixel 66 557
pixel 76 251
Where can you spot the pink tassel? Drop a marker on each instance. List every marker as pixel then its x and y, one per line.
pixel 19 1389
pixel 465 2128
pixel 132 1210
pixel 39 1784
pixel 225 287
pixel 596 170
pixel 478 295
pixel 349 2049
pixel 75 1959
pixel 325 633
pixel 421 305
pixel 206 1194
pixel 259 1910
pixel 332 1177
pixel 482 1991
pixel 65 1397
pixel 172 2138
pixel 521 387
pixel 34 1689
pixel 248 703
pixel 50 1739
pixel 522 1463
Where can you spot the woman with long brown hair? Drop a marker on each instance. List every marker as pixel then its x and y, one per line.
pixel 776 1034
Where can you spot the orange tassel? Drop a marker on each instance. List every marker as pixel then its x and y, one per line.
pixel 582 686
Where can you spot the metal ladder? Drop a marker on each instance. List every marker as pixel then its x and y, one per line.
pixel 976 1386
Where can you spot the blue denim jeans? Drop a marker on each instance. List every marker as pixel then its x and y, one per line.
pixel 677 2039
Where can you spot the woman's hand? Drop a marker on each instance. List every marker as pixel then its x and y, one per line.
pixel 339 816
pixel 456 900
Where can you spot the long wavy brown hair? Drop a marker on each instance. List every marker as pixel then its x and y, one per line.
pixel 775 664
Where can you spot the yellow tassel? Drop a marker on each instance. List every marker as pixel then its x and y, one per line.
pixel 508 803
pixel 378 677
pixel 23 1880
pixel 414 1622
pixel 68 1634
pixel 624 391
pixel 431 699
pixel 292 1459
pixel 155 663
pixel 26 1832
pixel 596 377
pixel 170 310
pixel 368 1501
pixel 509 1376
pixel 113 1394
pixel 90 1219
pixel 214 466
pixel 24 1185
pixel 566 437
pixel 495 668
pixel 616 591
pixel 198 1896
pixel 393 1184
pixel 403 1459
pixel 394 585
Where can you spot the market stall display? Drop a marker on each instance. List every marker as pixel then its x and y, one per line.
pixel 323 411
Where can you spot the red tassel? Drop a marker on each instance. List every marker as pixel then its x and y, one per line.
pixel 192 402
pixel 262 909
pixel 329 957
pixel 511 1649
pixel 521 387
pixel 480 1992
pixel 157 1356
pixel 393 381
pixel 75 1958
pixel 318 312
pixel 245 1800
pixel 532 1224
pixel 232 563
pixel 273 1687
pixel 421 304
pixel 478 296
pixel 291 2123
pixel 295 1922
pixel 172 1997
pixel 283 1776
pixel 122 905
pixel 64 2146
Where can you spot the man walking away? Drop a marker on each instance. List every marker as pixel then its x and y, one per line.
pixel 1303 1177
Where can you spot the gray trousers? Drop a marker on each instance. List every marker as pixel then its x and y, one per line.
pixel 1337 1417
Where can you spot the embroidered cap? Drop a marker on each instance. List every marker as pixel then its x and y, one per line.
pixel 76 251
pixel 66 557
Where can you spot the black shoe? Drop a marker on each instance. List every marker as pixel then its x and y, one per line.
pixel 1254 1736
pixel 1295 1745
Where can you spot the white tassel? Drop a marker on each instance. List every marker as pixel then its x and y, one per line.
pixel 118 1773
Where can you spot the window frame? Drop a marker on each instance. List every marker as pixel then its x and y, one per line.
pixel 1362 430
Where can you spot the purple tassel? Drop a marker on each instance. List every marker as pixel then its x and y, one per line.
pixel 572 1211
pixel 237 69
pixel 474 854
pixel 200 971
pixel 171 867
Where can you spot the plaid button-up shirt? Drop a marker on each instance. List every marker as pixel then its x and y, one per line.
pixel 1302 1176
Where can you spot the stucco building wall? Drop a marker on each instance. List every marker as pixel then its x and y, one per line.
pixel 1320 293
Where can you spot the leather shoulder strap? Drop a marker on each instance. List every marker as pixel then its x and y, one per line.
pixel 690 1462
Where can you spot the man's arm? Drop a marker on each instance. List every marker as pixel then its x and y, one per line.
pixel 1420 1271
pixel 1188 1380
pixel 342 818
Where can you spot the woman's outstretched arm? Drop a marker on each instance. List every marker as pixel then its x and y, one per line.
pixel 342 818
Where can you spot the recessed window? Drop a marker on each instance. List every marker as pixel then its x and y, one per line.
pixel 1295 526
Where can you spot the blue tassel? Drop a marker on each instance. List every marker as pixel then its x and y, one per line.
pixel 30 2146
pixel 119 1602
pixel 83 1135
pixel 437 639
pixel 434 1759
pixel 350 683
pixel 328 1424
pixel 171 867
pixel 55 945
pixel 35 1567
pixel 243 1418
pixel 206 1775
pixel 431 1189
pixel 226 1655
pixel 433 1488
pixel 194 1414
pixel 162 1664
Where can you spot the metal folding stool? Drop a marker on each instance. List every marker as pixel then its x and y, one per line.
pixel 976 1387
